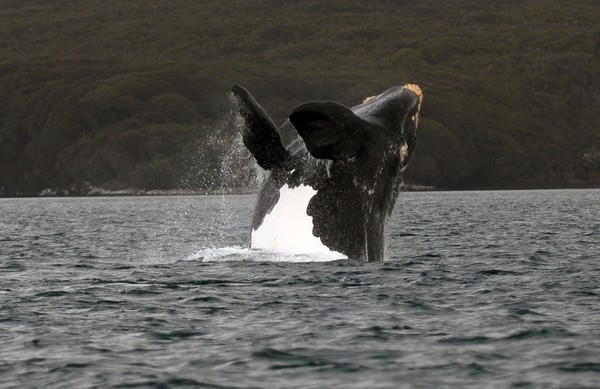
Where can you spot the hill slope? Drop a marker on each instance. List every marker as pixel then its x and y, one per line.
pixel 135 94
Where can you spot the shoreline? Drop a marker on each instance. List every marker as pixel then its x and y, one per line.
pixel 99 192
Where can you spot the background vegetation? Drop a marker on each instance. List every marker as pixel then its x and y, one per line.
pixel 134 94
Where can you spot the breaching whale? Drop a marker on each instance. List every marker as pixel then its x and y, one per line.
pixel 330 191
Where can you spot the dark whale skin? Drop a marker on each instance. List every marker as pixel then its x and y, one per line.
pixel 353 157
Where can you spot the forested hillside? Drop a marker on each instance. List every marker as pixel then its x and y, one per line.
pixel 135 94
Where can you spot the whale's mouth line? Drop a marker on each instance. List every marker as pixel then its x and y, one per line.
pixel 417 91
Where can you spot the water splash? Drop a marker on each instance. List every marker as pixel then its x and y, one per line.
pixel 217 162
pixel 237 167
pixel 223 156
pixel 241 254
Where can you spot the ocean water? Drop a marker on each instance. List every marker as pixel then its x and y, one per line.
pixel 479 290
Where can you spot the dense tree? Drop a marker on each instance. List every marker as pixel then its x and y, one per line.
pixel 134 94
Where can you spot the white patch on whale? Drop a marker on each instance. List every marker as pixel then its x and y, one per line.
pixel 288 229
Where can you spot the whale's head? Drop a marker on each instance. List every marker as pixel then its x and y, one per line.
pixel 392 106
pixel 333 131
pixel 396 111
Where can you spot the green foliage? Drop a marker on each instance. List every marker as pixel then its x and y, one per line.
pixel 125 155
pixel 445 150
pixel 135 94
pixel 176 108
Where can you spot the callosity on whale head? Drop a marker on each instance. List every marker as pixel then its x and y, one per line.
pixel 330 191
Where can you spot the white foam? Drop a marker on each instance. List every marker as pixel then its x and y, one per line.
pixel 239 254
pixel 234 253
pixel 288 229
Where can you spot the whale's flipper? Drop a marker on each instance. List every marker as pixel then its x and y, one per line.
pixel 260 135
pixel 330 130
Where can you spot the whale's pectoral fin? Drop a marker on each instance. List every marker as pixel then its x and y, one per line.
pixel 260 135
pixel 330 130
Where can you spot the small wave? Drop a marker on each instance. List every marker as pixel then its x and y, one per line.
pixel 302 359
pixel 578 367
pixel 176 334
pixel 52 293
pixel 241 254
pixel 539 333
pixel 465 340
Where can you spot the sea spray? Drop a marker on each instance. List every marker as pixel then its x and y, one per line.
pixel 218 164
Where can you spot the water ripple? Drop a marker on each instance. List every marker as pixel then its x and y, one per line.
pixel 482 289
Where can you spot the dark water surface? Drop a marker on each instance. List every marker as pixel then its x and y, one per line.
pixel 481 290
